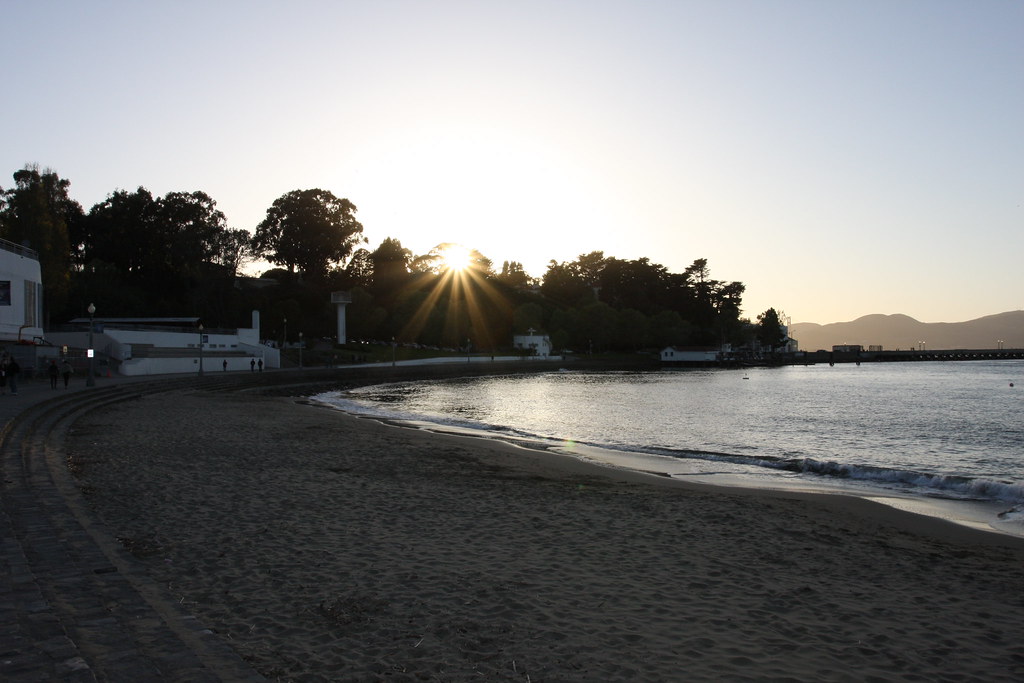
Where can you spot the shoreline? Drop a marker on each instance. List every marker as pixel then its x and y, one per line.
pixel 946 519
pixel 330 547
pixel 984 516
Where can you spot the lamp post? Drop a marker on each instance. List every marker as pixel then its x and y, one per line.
pixel 285 342
pixel 200 349
pixel 300 349
pixel 392 352
pixel 89 379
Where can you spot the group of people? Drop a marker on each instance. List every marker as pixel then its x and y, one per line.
pixel 9 370
pixel 65 370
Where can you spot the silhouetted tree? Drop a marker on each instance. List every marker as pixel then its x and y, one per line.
pixel 564 285
pixel 769 329
pixel 38 212
pixel 390 269
pixel 231 249
pixel 359 270
pixel 308 231
pixel 513 275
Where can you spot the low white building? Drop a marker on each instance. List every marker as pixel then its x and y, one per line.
pixel 157 346
pixel 690 355
pixel 539 344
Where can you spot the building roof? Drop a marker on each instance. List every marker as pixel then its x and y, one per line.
pixel 140 321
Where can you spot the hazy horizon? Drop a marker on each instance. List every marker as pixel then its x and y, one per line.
pixel 840 159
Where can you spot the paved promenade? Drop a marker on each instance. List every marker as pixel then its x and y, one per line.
pixel 73 604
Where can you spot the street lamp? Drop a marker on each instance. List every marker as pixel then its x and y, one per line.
pixel 90 381
pixel 300 349
pixel 285 342
pixel 200 349
pixel 392 352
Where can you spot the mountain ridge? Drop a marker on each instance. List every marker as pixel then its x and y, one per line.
pixel 900 331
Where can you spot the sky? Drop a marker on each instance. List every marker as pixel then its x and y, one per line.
pixel 839 158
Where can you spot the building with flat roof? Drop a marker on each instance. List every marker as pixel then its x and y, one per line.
pixel 157 346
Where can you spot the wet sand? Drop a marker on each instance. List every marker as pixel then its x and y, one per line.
pixel 327 547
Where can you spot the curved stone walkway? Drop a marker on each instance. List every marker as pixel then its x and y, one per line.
pixel 73 604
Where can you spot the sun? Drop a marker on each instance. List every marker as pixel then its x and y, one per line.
pixel 455 257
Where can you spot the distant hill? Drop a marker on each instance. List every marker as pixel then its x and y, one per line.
pixel 893 332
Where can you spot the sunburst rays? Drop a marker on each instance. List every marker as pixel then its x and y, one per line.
pixel 465 294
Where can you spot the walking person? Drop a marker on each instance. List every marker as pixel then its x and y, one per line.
pixel 252 365
pixel 3 377
pixel 66 371
pixel 225 365
pixel 54 374
pixel 12 370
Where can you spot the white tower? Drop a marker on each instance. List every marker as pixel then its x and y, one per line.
pixel 341 299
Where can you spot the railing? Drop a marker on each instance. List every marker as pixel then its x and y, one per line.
pixel 19 249
pixel 101 324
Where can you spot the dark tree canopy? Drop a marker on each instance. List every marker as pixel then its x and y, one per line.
pixel 654 307
pixel 308 231
pixel 146 255
pixel 390 267
pixel 769 329
pixel 39 213
pixel 136 254
pixel 513 275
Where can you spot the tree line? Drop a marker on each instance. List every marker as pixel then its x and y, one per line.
pixel 139 255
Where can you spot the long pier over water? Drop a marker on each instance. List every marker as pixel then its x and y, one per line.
pixel 908 355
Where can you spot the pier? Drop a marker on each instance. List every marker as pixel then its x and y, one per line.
pixel 905 356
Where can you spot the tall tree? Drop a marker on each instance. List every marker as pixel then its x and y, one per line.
pixel 38 211
pixel 232 249
pixel 563 285
pixel 121 231
pixel 308 231
pixel 359 270
pixel 513 275
pixel 175 251
pixel 390 267
pixel 769 329
pixel 189 225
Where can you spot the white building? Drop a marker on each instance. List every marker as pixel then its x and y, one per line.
pixel 540 344
pixel 689 355
pixel 157 346
pixel 21 294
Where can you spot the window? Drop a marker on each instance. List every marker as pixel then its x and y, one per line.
pixel 32 304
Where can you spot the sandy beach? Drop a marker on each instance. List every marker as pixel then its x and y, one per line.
pixel 327 547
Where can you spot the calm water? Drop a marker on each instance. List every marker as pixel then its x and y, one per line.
pixel 952 430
